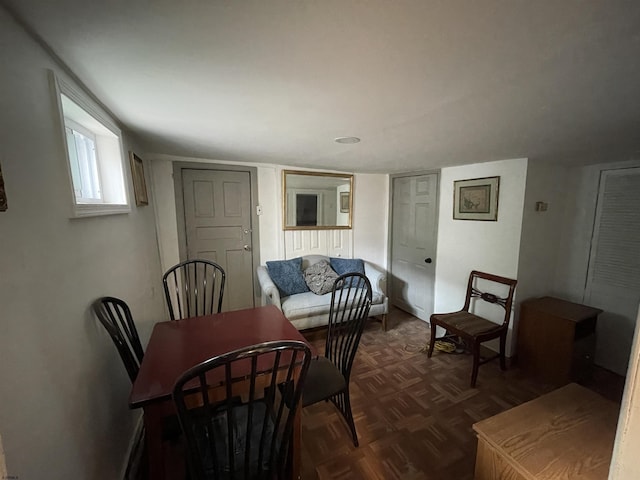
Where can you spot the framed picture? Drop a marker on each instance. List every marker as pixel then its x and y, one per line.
pixel 344 202
pixel 476 199
pixel 3 195
pixel 139 185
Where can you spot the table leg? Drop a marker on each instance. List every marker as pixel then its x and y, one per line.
pixel 153 440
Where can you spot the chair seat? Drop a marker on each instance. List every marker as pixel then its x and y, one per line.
pixel 323 381
pixel 466 324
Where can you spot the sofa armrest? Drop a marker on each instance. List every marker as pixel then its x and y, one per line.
pixel 268 287
pixel 377 278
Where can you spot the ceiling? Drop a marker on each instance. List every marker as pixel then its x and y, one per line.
pixel 424 84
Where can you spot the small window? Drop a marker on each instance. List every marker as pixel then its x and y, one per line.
pixel 83 161
pixel 94 155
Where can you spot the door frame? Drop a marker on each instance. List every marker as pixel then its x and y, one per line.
pixel 178 167
pixel 392 177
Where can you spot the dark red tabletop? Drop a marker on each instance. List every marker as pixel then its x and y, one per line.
pixel 175 346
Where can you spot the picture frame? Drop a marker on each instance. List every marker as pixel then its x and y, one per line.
pixel 3 194
pixel 139 184
pixel 345 200
pixel 476 199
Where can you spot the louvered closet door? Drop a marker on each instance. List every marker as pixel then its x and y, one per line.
pixel 613 279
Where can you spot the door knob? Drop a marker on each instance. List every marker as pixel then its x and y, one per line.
pixel 247 248
pixel 428 260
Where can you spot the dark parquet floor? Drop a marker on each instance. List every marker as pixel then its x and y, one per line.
pixel 413 414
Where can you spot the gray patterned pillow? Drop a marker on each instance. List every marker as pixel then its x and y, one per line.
pixel 320 277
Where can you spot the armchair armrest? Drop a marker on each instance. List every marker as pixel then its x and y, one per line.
pixel 377 278
pixel 268 287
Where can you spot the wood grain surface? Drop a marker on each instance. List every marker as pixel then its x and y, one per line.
pixel 567 433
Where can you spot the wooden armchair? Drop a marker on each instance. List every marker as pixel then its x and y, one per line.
pixel 473 329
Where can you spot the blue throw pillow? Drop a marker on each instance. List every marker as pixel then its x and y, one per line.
pixel 347 265
pixel 287 275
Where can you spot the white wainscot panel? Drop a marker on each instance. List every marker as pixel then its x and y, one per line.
pixel 334 243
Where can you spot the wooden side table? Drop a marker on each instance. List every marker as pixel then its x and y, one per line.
pixel 568 433
pixel 556 339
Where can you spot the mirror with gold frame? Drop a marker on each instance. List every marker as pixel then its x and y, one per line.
pixel 316 200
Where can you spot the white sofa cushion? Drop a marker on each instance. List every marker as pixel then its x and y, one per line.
pixel 309 304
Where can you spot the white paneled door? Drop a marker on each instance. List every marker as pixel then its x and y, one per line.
pixel 613 279
pixel 413 243
pixel 217 213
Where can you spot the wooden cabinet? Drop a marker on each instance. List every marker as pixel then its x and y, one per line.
pixel 568 433
pixel 556 339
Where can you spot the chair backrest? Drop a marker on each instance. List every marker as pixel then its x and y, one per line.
pixel 115 316
pixel 193 288
pixel 349 311
pixel 242 427
pixel 473 292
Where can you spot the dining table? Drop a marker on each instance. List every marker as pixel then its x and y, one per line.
pixel 177 345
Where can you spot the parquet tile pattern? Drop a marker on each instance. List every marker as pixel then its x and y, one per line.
pixel 413 414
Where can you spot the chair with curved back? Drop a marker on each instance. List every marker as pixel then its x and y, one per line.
pixel 115 316
pixel 242 428
pixel 474 329
pixel 328 377
pixel 193 288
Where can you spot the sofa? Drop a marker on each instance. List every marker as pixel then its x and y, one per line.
pixel 307 309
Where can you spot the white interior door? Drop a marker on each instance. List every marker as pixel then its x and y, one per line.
pixel 217 213
pixel 413 243
pixel 613 279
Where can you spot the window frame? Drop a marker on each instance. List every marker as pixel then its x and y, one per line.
pixel 90 208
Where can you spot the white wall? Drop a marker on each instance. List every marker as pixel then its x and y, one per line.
pixel 369 220
pixel 465 245
pixel 541 232
pixel 64 410
pixel 164 203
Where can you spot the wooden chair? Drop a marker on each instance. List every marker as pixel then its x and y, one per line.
pixel 115 316
pixel 242 428
pixel 473 329
pixel 328 377
pixel 193 288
